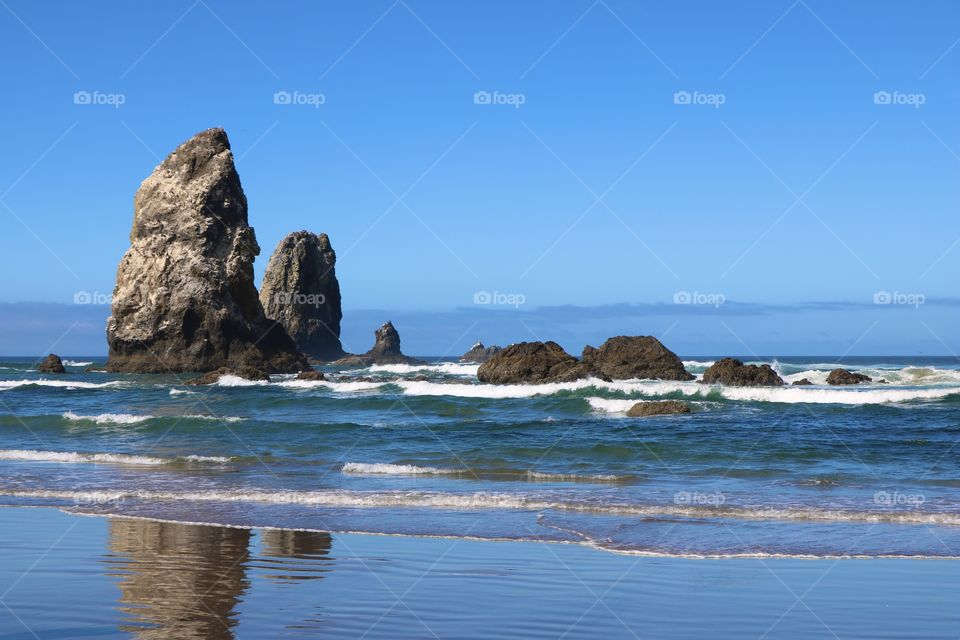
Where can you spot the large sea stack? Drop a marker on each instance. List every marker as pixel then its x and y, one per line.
pixel 386 350
pixel 185 299
pixel 301 292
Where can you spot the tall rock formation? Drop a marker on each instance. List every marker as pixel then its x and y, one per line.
pixel 301 292
pixel 185 299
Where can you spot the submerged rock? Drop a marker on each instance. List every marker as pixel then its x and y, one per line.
pixel 629 357
pixel 313 375
pixel 802 382
pixel 386 350
pixel 51 364
pixel 842 376
pixel 185 299
pixel 480 353
pixel 531 362
pixel 301 292
pixel 247 373
pixel 734 373
pixel 657 408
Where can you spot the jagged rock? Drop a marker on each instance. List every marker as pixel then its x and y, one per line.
pixel 660 408
pixel 629 357
pixel 531 362
pixel 185 299
pixel 51 364
pixel 802 382
pixel 480 353
pixel 301 292
pixel 386 350
pixel 245 372
pixel 733 372
pixel 313 375
pixel 842 376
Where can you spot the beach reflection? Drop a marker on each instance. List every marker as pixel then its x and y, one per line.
pixel 186 581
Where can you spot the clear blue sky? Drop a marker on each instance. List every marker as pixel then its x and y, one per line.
pixel 797 189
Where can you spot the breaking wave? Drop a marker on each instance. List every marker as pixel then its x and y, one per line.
pixel 71 457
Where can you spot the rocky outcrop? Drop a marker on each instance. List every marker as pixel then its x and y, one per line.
pixel 51 364
pixel 630 357
pixel 301 292
pixel 802 382
pixel 531 363
pixel 661 408
pixel 842 376
pixel 247 373
pixel 312 375
pixel 734 373
pixel 185 299
pixel 480 353
pixel 386 350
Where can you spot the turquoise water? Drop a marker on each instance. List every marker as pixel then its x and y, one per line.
pixel 810 471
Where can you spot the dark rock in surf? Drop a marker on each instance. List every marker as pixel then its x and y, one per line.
pixel 532 363
pixel 386 350
pixel 732 372
pixel 634 357
pixel 480 353
pixel 301 292
pixel 245 372
pixel 51 364
pixel 312 375
pixel 661 408
pixel 841 376
pixel 802 382
pixel 185 299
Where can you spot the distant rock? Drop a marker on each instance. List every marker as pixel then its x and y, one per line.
pixel 245 372
pixel 842 376
pixel 661 408
pixel 629 357
pixel 480 353
pixel 185 299
pixel 531 363
pixel 802 382
pixel 732 372
pixel 883 381
pixel 312 375
pixel 51 364
pixel 386 350
pixel 301 292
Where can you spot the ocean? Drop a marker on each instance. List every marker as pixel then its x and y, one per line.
pixel 795 472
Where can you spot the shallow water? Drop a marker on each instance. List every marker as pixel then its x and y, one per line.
pixel 810 471
pixel 65 576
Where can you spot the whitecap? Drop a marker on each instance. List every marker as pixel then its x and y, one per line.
pixel 449 368
pixel 73 457
pixel 380 468
pixel 67 384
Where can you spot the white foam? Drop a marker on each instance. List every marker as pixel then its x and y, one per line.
pixel 449 368
pixel 67 384
pixel 698 363
pixel 380 468
pixel 183 392
pixel 851 396
pixel 573 477
pixel 609 405
pixel 73 457
pixel 237 381
pixel 483 500
pixel 342 387
pixel 74 363
pixel 126 418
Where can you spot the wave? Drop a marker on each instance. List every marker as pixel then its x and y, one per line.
pixel 492 501
pixel 380 468
pixel 542 476
pixel 33 455
pixel 126 418
pixel 75 363
pixel 449 368
pixel 68 384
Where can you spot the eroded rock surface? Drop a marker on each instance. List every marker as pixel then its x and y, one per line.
pixel 734 373
pixel 386 350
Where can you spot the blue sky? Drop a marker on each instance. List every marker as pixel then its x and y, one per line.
pixel 599 189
